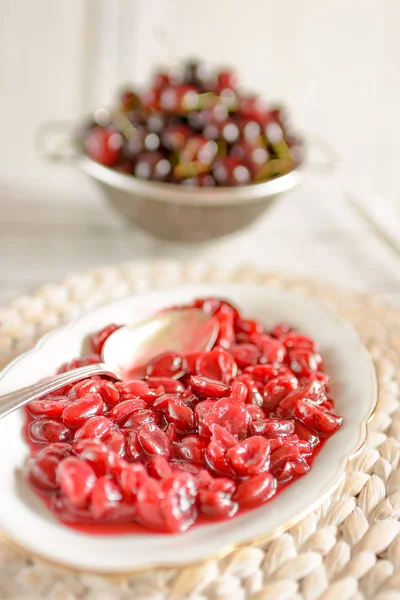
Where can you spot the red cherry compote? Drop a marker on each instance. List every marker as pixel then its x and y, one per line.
pixel 198 438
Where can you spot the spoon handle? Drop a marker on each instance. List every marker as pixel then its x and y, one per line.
pixel 12 401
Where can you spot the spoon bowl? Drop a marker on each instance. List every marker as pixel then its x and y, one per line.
pixel 182 331
pixel 128 349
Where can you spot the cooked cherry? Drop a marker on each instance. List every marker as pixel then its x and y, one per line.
pixel 51 407
pixel 122 411
pixel 324 423
pixel 255 490
pixel 245 354
pixel 216 505
pixel 272 428
pixel 153 440
pixel 46 430
pixel 135 389
pixel 169 365
pixel 77 413
pixel 95 453
pixel 181 416
pixel 276 390
pixel 169 385
pixel 272 350
pixel 208 388
pixel 191 448
pixel 231 415
pixel 95 428
pixel 159 467
pixel 76 479
pixel 250 457
pixel 106 497
pixel 217 460
pixel 158 451
pixel 218 365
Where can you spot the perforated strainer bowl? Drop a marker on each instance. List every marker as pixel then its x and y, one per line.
pixel 176 212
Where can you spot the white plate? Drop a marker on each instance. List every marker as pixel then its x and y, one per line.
pixel 25 520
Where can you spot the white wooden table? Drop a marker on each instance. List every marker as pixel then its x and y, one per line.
pixel 312 231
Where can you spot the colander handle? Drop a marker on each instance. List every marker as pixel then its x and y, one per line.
pixel 330 161
pixel 55 141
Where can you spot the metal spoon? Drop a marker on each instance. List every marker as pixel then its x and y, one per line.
pixel 182 331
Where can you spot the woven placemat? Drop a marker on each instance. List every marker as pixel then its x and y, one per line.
pixel 349 548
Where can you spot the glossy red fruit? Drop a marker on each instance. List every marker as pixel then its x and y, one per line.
pixel 215 505
pixel 106 389
pixel 248 326
pixel 272 350
pixel 171 432
pixel 262 373
pixel 218 365
pixel 272 428
pixel 104 145
pixel 293 339
pixel 95 428
pixel 205 481
pixel 125 409
pixel 250 457
pixel 51 407
pixel 256 412
pixel 286 453
pixel 154 440
pixel 169 365
pixel 76 479
pixel 42 467
pixel 202 409
pixel 95 453
pixel 170 386
pixel 131 477
pixel 253 395
pixel 245 354
pixel 134 450
pixel 306 434
pixel 178 501
pixel 115 442
pixel 99 338
pixel 280 330
pixel 314 392
pixel 255 490
pixel 204 387
pixel 303 361
pixel 78 412
pixel 227 80
pixel 134 389
pixel 217 460
pixel 277 390
pixel 159 468
pixel 231 415
pixel 223 436
pixel 48 431
pixel 191 448
pixel 141 417
pixel 324 423
pixel 148 502
pixel 79 362
pixel 239 392
pixel 181 416
pixel 106 498
pixel 162 401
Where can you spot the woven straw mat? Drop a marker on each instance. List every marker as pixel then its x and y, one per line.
pixel 349 548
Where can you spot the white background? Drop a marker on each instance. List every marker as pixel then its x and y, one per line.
pixel 334 63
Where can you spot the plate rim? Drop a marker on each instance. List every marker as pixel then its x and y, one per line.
pixel 336 479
